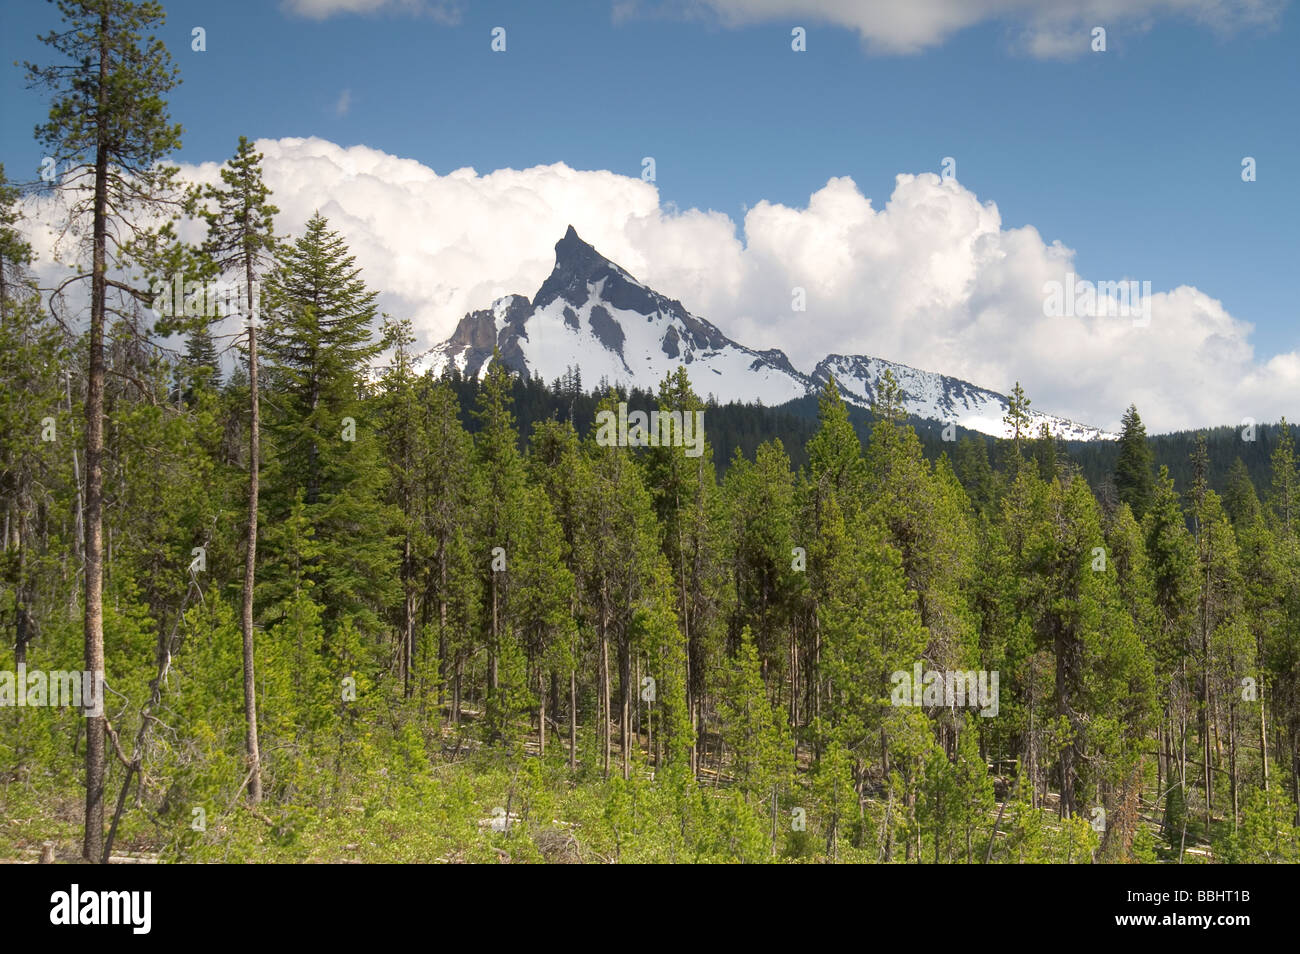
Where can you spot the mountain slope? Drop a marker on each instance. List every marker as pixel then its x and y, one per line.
pixel 938 397
pixel 593 315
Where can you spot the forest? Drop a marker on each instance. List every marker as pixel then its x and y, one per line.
pixel 345 609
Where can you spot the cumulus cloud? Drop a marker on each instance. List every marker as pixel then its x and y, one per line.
pixel 931 279
pixel 443 11
pixel 1045 28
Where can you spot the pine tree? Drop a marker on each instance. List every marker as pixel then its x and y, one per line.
pixel 685 496
pixel 834 453
pixel 622 565
pixel 1045 454
pixel 447 483
pixel 1217 607
pixel 15 252
pixel 198 368
pixel 318 340
pixel 557 467
pixel 766 587
pixel 1016 422
pixel 972 465
pixel 109 123
pixel 241 238
pixel 31 362
pixel 404 447
pixel 834 490
pixel 1133 477
pixel 500 486
pixel 1284 497
pixel 544 592
pixel 1171 556
pixel 1239 497
pixel 1264 595
pixel 754 730
pixel 871 628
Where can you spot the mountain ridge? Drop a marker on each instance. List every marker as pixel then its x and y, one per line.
pixel 592 314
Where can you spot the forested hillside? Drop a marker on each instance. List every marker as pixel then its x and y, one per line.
pixel 735 426
pixel 346 610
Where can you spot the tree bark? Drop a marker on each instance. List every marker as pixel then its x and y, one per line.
pixel 573 719
pixel 1263 735
pixel 93 843
pixel 252 750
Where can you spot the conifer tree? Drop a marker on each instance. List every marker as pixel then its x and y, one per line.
pixel 500 501
pixel 1240 500
pixel 1171 556
pixel 319 343
pixel 760 504
pixel 1133 477
pixel 685 496
pixel 622 564
pixel 754 730
pixel 400 421
pixel 1045 454
pixel 447 482
pixel 1217 609
pixel 835 462
pixel 544 592
pixel 1016 423
pixel 558 468
pixel 110 130
pixel 834 489
pixel 32 358
pixel 241 239
pixel 972 466
pixel 1284 496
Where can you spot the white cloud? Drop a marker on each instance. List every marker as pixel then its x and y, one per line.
pixel 932 279
pixel 1047 28
pixel 446 12
pixel 344 103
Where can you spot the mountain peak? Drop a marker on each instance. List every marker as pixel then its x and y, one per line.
pixel 572 246
pixel 577 266
pixel 593 314
pixel 580 259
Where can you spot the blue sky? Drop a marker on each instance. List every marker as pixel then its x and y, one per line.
pixel 1130 157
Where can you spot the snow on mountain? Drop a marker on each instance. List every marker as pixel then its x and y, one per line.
pixel 591 314
pixel 938 397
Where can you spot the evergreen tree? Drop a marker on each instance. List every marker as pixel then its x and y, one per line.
pixel 622 566
pixel 1171 556
pixel 500 501
pixel 404 447
pixel 1239 498
pixel 544 592
pixel 318 340
pixel 241 239
pixel 32 358
pixel 685 496
pixel 108 126
pixel 976 474
pixel 1045 454
pixel 1133 470
pixel 1284 497
pixel 451 599
pixel 754 730
pixel 1016 425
